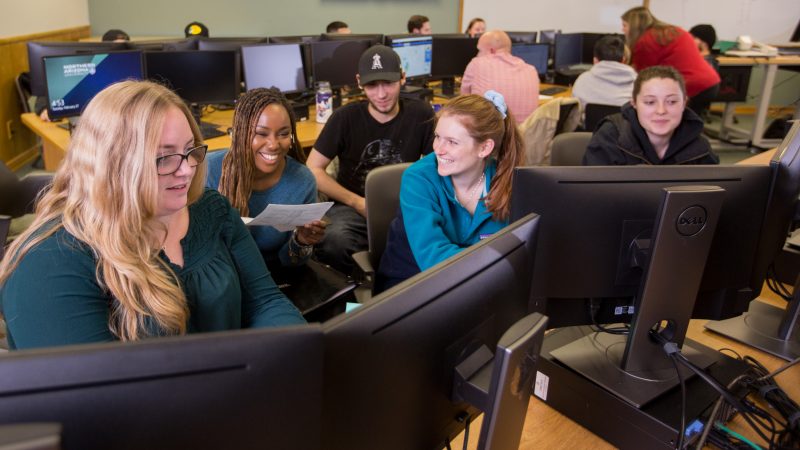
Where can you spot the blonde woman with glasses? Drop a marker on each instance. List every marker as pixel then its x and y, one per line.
pixel 127 244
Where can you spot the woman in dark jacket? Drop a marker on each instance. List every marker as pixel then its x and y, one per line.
pixel 654 128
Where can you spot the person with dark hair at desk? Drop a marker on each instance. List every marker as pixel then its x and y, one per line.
pixel 495 68
pixel 458 195
pixel 476 27
pixel 705 36
pixel 385 129
pixel 418 25
pixel 655 43
pixel 115 35
pixel 127 244
pixel 610 80
pixel 655 128
pixel 265 165
pixel 338 27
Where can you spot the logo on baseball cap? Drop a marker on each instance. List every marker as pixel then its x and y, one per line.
pixel 379 63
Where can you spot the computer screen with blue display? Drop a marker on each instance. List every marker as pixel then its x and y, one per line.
pixel 278 65
pixel 72 81
pixel 533 54
pixel 415 54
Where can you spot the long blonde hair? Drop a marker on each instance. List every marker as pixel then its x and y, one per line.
pixel 105 194
pixel 640 19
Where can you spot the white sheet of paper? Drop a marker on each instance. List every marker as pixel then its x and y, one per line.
pixel 287 217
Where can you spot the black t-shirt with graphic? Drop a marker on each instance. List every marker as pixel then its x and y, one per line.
pixel 362 143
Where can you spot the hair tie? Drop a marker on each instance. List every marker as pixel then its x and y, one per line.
pixel 497 99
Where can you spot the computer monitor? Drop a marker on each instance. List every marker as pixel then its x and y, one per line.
pixel 389 365
pixel 548 36
pixel 371 37
pixel 639 232
pixel 415 53
pixel 172 45
pixel 202 78
pixel 337 61
pixel 533 54
pixel 239 389
pixel 73 80
pixel 228 43
pixel 38 50
pixel 523 37
pixel 293 39
pixel 451 54
pixel 770 329
pixel 588 40
pixel 278 65
pixel 567 50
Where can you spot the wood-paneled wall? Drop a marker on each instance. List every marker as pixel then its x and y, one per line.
pixel 18 147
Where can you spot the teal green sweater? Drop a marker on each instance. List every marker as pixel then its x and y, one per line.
pixel 53 297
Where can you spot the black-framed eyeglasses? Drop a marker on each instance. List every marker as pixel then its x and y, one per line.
pixel 169 164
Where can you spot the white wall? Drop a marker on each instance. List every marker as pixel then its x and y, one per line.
pixel 764 20
pixel 22 17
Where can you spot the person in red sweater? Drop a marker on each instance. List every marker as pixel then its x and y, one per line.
pixel 655 43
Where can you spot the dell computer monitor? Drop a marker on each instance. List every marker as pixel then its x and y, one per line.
pixel 238 389
pixel 202 78
pixel 38 50
pixel 523 37
pixel 451 54
pixel 585 250
pixel 568 50
pixel 533 54
pixel 337 61
pixel 389 365
pixel 372 38
pixel 72 81
pixel 278 65
pixel 415 53
pixel 642 244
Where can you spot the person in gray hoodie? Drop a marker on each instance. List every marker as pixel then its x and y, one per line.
pixel 610 80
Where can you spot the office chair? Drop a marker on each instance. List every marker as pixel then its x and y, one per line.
pixel 596 112
pixel 17 199
pixel 569 148
pixel 382 194
pixel 559 115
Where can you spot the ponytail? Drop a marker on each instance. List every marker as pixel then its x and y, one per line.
pixel 510 153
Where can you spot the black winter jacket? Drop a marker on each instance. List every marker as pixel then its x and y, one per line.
pixel 621 140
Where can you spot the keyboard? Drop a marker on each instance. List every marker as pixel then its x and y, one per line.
pixel 552 90
pixel 210 131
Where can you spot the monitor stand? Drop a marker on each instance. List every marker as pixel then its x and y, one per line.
pixel 634 367
pixel 765 327
pixel 632 379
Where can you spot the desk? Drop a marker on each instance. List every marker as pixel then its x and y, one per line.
pixel 756 134
pixel 55 139
pixel 546 428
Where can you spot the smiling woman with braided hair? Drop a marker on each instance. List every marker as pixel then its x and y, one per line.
pixel 265 165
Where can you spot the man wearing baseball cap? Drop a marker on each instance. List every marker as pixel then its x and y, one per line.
pixel 382 130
